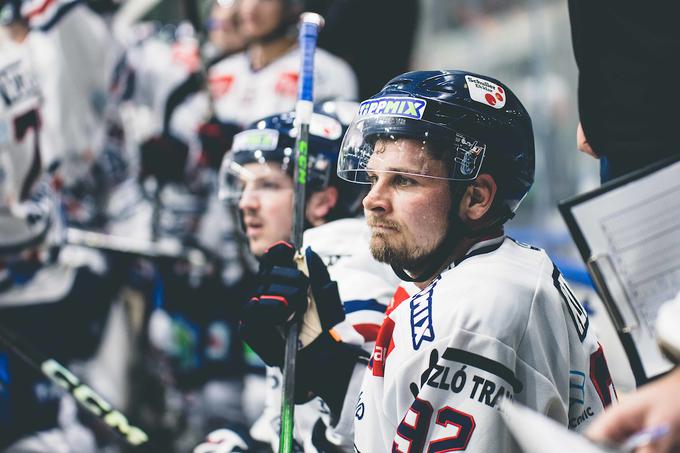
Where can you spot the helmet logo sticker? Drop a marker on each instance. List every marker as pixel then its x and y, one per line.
pixel 251 140
pixel 486 92
pixel 323 126
pixel 398 106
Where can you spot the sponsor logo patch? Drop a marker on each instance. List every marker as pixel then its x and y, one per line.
pixel 254 139
pixel 383 346
pixel 421 317
pixel 398 106
pixel 322 126
pixel 220 84
pixel 486 92
pixel 287 84
pixel 577 387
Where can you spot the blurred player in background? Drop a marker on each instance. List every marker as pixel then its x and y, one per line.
pixel 263 79
pixel 52 299
pixel 257 174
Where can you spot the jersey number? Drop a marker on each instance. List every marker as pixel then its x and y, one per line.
pixel 22 124
pixel 412 431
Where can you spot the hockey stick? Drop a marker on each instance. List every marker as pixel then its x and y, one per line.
pixel 87 398
pixel 309 30
pixel 123 244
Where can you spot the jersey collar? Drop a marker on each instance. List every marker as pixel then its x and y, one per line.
pixel 481 248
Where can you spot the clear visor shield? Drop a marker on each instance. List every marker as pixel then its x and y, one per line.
pixel 255 164
pixel 412 147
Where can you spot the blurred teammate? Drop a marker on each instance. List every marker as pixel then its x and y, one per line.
pixel 54 302
pixel 257 173
pixel 263 79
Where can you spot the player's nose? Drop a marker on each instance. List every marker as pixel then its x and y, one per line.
pixel 377 198
pixel 249 201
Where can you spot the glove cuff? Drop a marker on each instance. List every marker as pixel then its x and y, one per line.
pixel 325 368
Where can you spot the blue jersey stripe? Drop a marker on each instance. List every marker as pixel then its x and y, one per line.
pixel 357 305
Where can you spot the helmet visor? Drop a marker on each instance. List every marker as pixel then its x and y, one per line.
pixel 413 147
pixel 255 163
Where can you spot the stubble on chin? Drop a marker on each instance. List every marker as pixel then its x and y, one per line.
pixel 380 250
pixel 394 252
pixel 389 252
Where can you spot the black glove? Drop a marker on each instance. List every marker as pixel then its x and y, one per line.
pixel 164 157
pixel 324 364
pixel 216 138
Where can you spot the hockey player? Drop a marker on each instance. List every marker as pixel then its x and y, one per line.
pixel 71 50
pixel 449 156
pixel 262 80
pixel 257 173
pixel 57 307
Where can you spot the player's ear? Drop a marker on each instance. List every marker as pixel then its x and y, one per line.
pixel 478 198
pixel 319 205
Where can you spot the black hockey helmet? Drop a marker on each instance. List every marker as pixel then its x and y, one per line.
pixel 10 12
pixel 272 139
pixel 473 122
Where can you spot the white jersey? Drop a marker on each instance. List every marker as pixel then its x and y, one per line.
pixel 20 105
pixel 501 323
pixel 71 50
pixel 365 288
pixel 242 95
pixel 160 68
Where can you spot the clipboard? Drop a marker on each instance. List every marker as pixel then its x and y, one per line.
pixel 628 234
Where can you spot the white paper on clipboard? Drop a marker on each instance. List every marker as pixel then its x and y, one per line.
pixel 633 234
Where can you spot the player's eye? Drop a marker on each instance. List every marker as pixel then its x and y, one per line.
pixel 403 181
pixel 372 178
pixel 266 184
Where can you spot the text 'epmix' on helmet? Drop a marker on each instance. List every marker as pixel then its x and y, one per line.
pixel 473 123
pixel 271 141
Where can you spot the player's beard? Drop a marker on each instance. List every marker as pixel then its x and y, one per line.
pixel 396 250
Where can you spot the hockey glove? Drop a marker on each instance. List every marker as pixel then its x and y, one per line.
pixel 284 293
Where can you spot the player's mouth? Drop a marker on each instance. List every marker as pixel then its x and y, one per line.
pixel 382 226
pixel 381 229
pixel 253 227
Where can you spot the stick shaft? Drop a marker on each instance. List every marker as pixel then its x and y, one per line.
pixel 308 36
